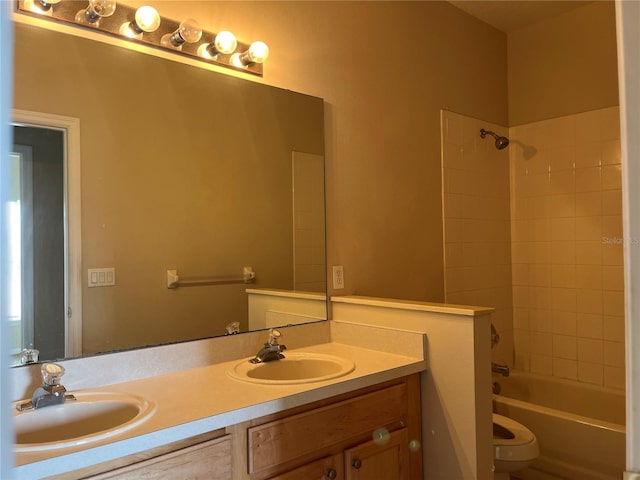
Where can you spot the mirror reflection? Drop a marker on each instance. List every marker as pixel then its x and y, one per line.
pixel 181 169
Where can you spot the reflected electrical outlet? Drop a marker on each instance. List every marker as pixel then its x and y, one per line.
pixel 338 277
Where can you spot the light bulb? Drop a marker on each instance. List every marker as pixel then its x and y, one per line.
pixel 96 10
pixel 189 31
pixel 40 6
pixel 147 19
pixel 225 43
pixel 258 52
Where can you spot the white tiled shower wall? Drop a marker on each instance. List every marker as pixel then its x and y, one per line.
pixel 565 240
pixel 566 232
pixel 477 223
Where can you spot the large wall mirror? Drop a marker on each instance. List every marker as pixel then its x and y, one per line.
pixel 182 169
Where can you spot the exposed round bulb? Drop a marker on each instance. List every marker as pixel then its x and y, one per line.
pixel 103 8
pixel 225 42
pixel 190 31
pixel 258 52
pixel 96 10
pixel 40 6
pixel 147 19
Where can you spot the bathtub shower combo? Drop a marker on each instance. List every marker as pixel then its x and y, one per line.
pixel 580 428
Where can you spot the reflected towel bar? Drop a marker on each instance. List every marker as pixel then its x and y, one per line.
pixel 173 279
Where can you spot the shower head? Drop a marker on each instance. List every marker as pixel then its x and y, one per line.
pixel 501 142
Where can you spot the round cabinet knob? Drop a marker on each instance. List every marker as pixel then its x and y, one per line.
pixel 331 474
pixel 357 463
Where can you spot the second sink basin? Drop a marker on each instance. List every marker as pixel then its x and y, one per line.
pixel 296 367
pixel 92 416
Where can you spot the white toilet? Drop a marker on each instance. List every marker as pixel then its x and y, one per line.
pixel 514 447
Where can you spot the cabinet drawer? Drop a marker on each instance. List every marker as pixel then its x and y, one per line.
pixel 280 441
pixel 203 461
pixel 329 468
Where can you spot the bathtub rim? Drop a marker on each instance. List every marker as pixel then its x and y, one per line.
pixel 592 422
pixel 600 389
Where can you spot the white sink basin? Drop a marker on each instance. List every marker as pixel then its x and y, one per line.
pixel 91 417
pixel 296 367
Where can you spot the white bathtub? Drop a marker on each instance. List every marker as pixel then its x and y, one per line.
pixel 580 427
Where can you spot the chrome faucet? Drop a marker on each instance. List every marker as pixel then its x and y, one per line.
pixel 272 350
pixel 50 392
pixel 500 369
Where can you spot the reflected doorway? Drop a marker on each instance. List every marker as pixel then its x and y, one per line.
pixel 44 230
pixel 36 216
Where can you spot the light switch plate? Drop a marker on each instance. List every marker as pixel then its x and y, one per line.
pixel 338 277
pixel 101 277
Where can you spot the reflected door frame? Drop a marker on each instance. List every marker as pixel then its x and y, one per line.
pixel 70 126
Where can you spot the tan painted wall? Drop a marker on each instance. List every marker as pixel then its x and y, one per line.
pixel 564 65
pixel 384 69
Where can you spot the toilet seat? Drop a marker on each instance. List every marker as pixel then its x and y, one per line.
pixel 523 447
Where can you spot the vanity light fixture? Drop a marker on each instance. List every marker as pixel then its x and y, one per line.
pixel 189 31
pixel 96 10
pixel 225 43
pixel 258 52
pixel 145 26
pixel 146 20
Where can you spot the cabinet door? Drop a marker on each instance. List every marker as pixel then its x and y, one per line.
pixel 385 458
pixel 329 468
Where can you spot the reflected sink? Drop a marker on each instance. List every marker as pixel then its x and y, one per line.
pixel 296 367
pixel 91 417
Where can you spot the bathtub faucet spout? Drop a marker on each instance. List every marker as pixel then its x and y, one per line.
pixel 500 369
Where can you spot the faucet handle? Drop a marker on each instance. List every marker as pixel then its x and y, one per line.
pixel 232 328
pixel 29 355
pixel 274 337
pixel 51 373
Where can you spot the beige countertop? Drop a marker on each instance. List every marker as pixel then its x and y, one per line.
pixel 199 400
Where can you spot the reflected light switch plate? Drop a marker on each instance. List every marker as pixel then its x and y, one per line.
pixel 101 277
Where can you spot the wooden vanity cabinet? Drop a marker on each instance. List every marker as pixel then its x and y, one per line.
pixel 360 435
pixel 357 436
